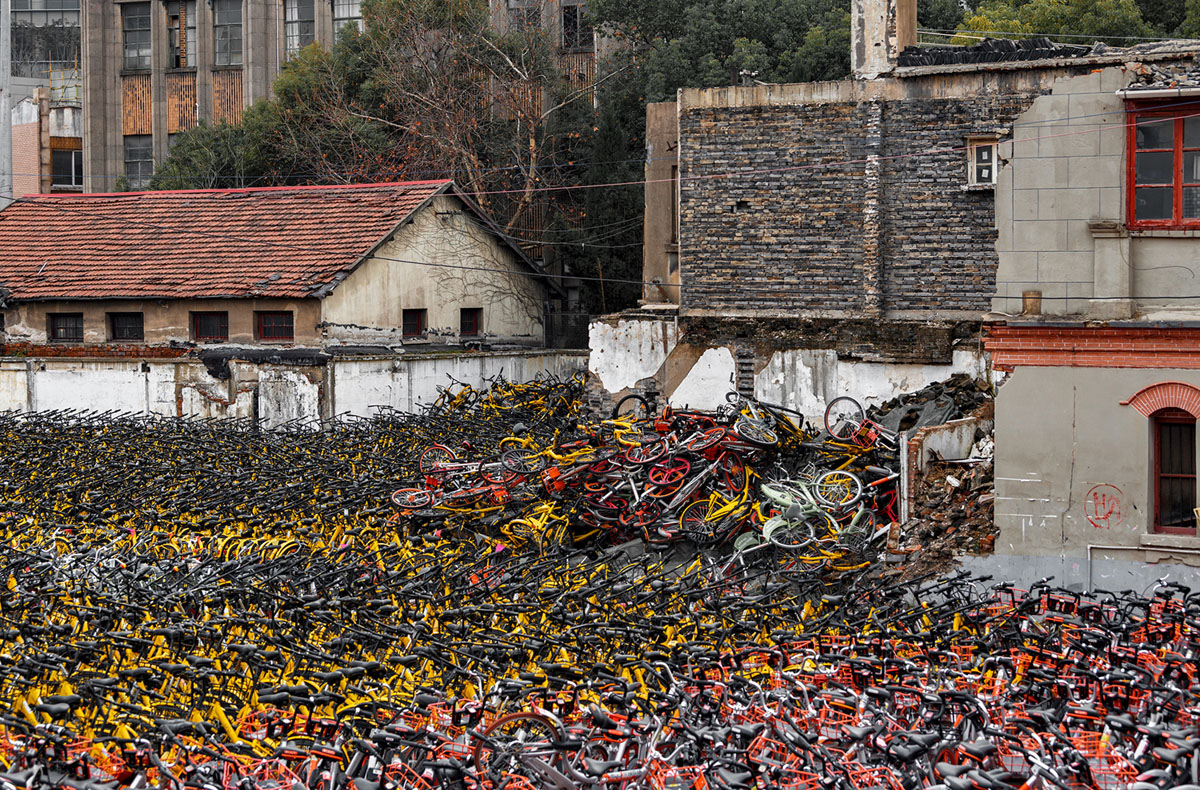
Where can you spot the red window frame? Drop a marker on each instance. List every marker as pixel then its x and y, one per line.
pixel 1157 420
pixel 412 322
pixel 1138 113
pixel 222 323
pixel 275 325
pixel 470 321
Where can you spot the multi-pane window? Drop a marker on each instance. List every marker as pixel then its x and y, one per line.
pixel 64 327
pixel 181 34
pixel 524 15
pixel 413 323
pixel 227 32
pixel 40 13
pixel 1164 168
pixel 126 326
pixel 66 168
pixel 299 24
pixel 470 321
pixel 981 161
pixel 276 325
pixel 135 27
pixel 576 27
pixel 346 12
pixel 210 327
pixel 45 37
pixel 1174 471
pixel 139 160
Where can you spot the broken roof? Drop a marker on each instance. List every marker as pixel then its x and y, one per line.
pixel 1044 49
pixel 271 242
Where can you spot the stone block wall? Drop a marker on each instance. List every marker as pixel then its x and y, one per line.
pixel 836 208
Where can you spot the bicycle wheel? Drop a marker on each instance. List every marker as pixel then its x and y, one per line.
pixel 510 739
pixel 434 454
pixel 789 535
pixel 843 416
pixel 632 406
pixel 412 498
pixel 755 433
pixel 838 488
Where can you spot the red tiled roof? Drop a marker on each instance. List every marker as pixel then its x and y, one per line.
pixel 276 242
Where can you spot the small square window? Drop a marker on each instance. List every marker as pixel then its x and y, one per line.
pixel 65 327
pixel 275 326
pixel 470 322
pixel 981 161
pixel 414 323
pixel 126 326
pixel 210 327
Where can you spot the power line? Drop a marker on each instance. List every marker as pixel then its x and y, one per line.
pixel 54 204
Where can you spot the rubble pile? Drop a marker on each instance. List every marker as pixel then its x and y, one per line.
pixel 958 396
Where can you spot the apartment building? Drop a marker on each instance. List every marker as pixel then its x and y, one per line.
pixel 154 69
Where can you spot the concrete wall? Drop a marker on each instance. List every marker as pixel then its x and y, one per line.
pixel 1073 470
pixel 1061 208
pixel 165 321
pixel 273 393
pixel 629 348
pixel 368 306
pixel 660 242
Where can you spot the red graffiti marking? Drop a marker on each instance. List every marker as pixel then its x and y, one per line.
pixel 1103 507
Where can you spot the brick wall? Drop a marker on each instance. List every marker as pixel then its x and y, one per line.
pixel 1104 347
pixel 74 350
pixel 893 234
pixel 26 159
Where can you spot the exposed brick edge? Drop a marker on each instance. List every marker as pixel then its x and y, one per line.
pixel 1166 395
pixel 1092 347
pixel 106 351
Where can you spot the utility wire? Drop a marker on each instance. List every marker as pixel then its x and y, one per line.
pixel 56 204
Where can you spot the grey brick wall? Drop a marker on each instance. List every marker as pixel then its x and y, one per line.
pixel 806 237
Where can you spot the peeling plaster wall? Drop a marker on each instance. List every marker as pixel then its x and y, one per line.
pixel 276 394
pixel 362 385
pixel 624 352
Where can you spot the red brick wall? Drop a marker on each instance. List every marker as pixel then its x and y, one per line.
pixel 77 350
pixel 26 159
pixel 1093 347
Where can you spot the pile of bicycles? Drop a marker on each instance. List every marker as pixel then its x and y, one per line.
pixel 193 604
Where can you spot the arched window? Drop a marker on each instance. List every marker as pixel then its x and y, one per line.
pixel 1172 407
pixel 1174 471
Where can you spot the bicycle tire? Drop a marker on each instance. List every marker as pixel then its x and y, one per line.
pixel 434 454
pixel 838 488
pixel 633 405
pixel 519 730
pixel 755 434
pixel 843 416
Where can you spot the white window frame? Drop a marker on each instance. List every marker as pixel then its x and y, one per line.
pixel 975 144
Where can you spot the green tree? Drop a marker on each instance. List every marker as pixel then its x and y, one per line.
pixel 1076 21
pixel 1190 27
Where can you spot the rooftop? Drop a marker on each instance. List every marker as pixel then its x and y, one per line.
pixel 273 242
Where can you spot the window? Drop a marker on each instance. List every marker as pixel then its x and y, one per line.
pixel 1164 168
pixel 126 326
pixel 576 27
pixel 64 327
pixel 227 32
pixel 135 25
pixel 346 12
pixel 524 15
pixel 210 327
pixel 414 323
pixel 470 321
pixel 299 24
pixel 139 160
pixel 1174 471
pixel 181 15
pixel 981 161
pixel 275 325
pixel 66 169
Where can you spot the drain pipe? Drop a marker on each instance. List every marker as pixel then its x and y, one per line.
pixel 1091 546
